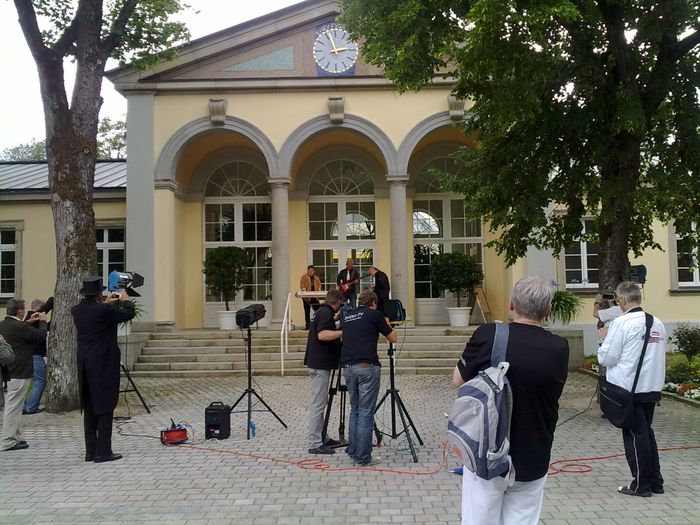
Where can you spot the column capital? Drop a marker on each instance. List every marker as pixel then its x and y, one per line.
pixel 395 180
pixel 280 183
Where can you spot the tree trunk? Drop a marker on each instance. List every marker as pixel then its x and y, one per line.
pixel 619 179
pixel 71 151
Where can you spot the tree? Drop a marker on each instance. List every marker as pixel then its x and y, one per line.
pixel 581 107
pixel 111 144
pixel 34 150
pixel 90 32
pixel 224 271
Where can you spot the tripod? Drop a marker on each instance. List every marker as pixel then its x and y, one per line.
pixel 396 403
pixel 250 391
pixel 133 387
pixel 335 388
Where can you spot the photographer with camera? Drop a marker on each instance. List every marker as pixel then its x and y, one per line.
pixel 322 355
pixel 605 309
pixel 99 359
pixel 361 368
pixel 31 404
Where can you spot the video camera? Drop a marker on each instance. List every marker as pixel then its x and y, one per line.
pixel 250 315
pixel 124 281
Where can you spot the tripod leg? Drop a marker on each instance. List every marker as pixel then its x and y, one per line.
pixel 406 431
pixel 341 424
pixel 238 400
pixel 133 385
pixel 253 392
pixel 331 394
pixel 402 408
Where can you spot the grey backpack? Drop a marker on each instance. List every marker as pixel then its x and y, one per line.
pixel 478 428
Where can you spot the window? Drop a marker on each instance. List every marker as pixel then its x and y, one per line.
pixel 8 262
pixel 441 223
pixel 111 254
pixel 238 212
pixel 581 259
pixel 687 252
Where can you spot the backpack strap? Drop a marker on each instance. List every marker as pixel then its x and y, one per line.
pixel 500 344
pixel 649 323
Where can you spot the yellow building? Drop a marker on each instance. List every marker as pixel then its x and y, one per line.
pixel 275 136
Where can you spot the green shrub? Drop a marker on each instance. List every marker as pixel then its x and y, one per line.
pixel 686 337
pixel 565 306
pixel 455 272
pixel 683 372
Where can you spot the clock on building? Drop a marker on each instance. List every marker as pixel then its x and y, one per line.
pixel 334 51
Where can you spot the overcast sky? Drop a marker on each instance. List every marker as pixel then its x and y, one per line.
pixel 21 113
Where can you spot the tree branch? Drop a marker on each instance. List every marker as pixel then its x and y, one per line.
pixel 27 21
pixel 67 39
pixel 116 32
pixel 683 47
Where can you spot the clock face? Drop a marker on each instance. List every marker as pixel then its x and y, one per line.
pixel 334 50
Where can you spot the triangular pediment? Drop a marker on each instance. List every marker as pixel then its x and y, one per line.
pixel 281 46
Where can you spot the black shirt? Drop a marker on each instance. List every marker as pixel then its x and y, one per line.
pixel 361 329
pixel 538 370
pixel 322 355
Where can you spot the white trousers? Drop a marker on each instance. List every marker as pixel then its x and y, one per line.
pixel 492 503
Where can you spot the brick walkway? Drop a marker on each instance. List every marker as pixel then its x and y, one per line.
pixel 50 482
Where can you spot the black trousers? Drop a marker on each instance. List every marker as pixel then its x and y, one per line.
pixel 641 451
pixel 311 303
pixel 97 427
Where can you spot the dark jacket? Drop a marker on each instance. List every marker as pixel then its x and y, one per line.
pixel 381 286
pixel 22 338
pixel 39 348
pixel 343 279
pixel 98 351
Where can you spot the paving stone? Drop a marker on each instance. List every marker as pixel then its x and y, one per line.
pixel 267 480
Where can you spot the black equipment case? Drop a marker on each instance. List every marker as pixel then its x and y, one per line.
pixel 217 421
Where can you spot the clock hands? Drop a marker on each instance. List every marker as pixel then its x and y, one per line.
pixel 335 50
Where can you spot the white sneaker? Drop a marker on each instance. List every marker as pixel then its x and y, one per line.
pixel 376 460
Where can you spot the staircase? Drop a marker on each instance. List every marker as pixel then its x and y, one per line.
pixel 214 353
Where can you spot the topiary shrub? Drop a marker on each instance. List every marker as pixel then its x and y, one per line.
pixel 455 272
pixel 686 337
pixel 224 269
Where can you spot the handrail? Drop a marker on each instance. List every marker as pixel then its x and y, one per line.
pixel 284 333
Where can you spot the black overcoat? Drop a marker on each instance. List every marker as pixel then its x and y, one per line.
pixel 98 351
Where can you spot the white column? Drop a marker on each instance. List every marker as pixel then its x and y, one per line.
pixel 140 169
pixel 280 252
pixel 399 241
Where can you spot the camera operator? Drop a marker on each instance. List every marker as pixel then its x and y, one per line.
pixel 361 367
pixel 98 363
pixel 605 309
pixel 322 355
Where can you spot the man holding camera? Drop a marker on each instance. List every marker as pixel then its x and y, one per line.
pixel 322 355
pixel 21 337
pixel 361 368
pixel 620 353
pixel 31 404
pixel 99 360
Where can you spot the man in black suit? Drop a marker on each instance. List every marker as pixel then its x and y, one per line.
pixel 98 363
pixel 22 338
pixel 381 287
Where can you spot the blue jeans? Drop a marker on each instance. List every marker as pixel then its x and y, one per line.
pixel 351 299
pixel 362 381
pixel 38 384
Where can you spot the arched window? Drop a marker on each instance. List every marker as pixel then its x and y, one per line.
pixel 238 212
pixel 441 222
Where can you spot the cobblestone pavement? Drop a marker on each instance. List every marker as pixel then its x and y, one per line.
pixel 212 484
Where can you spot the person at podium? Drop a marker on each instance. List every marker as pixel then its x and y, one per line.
pixel 309 283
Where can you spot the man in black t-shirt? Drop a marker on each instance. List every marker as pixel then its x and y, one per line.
pixel 537 373
pixel 361 367
pixel 322 355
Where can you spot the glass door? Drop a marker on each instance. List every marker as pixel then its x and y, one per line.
pixel 330 261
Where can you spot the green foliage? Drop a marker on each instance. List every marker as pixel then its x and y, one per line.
pixel 455 272
pixel 683 372
pixel 34 150
pixel 686 337
pixel 224 270
pixel 580 108
pixel 565 306
pixel 111 144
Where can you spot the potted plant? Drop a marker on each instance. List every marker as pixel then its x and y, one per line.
pixel 224 270
pixel 565 306
pixel 457 273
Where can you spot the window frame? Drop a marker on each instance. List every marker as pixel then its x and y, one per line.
pixel 109 245
pixel 18 227
pixel 583 255
pixel 676 284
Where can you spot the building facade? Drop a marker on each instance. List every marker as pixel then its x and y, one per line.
pixel 275 136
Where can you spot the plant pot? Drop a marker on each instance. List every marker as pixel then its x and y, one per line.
pixel 227 320
pixel 459 316
pixel 124 329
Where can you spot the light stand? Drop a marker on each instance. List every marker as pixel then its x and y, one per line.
pixel 128 377
pixel 396 405
pixel 335 388
pixel 250 391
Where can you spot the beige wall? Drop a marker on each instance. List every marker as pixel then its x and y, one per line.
pixel 38 253
pixel 278 114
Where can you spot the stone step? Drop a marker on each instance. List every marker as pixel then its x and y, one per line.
pixel 210 365
pixel 440 371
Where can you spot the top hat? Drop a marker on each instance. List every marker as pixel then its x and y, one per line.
pixel 92 285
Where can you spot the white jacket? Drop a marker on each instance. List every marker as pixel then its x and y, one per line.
pixel 622 347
